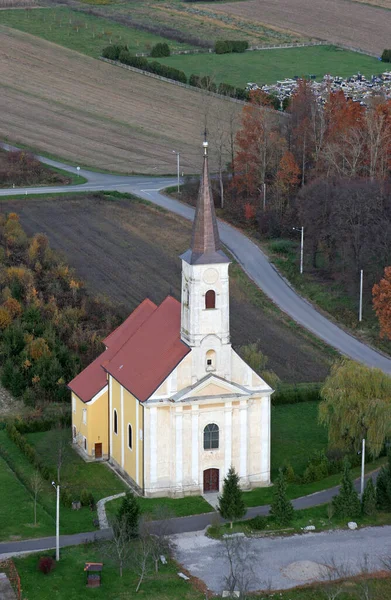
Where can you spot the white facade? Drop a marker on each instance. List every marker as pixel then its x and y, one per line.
pixel 212 385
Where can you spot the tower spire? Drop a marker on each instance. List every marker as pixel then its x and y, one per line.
pixel 205 239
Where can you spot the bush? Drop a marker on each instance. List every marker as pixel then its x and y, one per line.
pixel 113 51
pixel 281 246
pixel 129 512
pixel 281 508
pixel 289 473
pixel 159 50
pixel 317 468
pixel 46 564
pixel 386 56
pixel 66 497
pixel 227 46
pixel 346 504
pixel 195 80
pixel 258 523
pixel 294 393
pixel 383 487
pixel 139 62
pixel 368 504
pixel 85 497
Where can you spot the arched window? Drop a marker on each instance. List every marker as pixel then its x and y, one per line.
pixel 211 437
pixel 211 360
pixel 130 440
pixel 210 299
pixel 115 427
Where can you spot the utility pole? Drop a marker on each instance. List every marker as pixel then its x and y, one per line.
pixel 57 488
pixel 362 468
pixel 301 229
pixel 360 303
pixel 177 163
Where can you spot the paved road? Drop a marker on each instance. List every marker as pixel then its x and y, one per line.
pixel 177 525
pixel 286 562
pixel 252 259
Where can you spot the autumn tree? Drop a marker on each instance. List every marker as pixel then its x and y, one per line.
pixel 382 303
pixel 356 404
pixel 260 146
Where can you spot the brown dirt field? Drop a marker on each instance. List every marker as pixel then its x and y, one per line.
pixel 337 21
pixel 96 114
pixel 126 251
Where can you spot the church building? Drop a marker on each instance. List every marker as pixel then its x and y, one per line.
pixel 169 402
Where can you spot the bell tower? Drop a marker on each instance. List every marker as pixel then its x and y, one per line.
pixel 205 285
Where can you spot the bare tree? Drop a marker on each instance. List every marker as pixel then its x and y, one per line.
pixel 120 548
pixel 161 544
pixel 241 577
pixel 37 487
pixel 143 552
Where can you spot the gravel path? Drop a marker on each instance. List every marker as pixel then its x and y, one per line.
pixel 287 562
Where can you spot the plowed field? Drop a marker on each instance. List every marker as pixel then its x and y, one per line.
pixel 338 21
pixel 96 114
pixel 127 251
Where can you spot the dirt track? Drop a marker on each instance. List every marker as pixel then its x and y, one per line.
pixel 337 21
pixel 127 251
pixel 96 114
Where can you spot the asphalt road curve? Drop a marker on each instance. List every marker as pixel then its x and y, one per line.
pixel 247 253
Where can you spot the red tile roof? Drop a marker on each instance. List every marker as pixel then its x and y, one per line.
pixel 140 353
pixel 151 353
pixel 94 378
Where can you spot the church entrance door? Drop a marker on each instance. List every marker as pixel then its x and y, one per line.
pixel 211 480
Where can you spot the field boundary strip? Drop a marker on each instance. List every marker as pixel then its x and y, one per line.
pixel 185 85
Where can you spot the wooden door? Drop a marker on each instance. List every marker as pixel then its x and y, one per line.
pixel 211 480
pixel 98 450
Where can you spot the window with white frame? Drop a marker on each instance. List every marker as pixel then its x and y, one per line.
pixel 115 422
pixel 84 416
pixel 85 443
pixel 73 404
pixel 211 437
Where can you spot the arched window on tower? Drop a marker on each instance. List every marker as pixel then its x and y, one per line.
pixel 211 437
pixel 211 360
pixel 210 299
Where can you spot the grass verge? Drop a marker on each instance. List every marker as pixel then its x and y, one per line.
pixel 318 516
pixel 17 509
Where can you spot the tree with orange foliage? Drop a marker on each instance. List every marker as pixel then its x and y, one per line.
pixel 260 147
pixel 381 293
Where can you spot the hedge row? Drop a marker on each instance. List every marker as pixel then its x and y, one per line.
pixel 225 89
pixel 151 67
pixel 122 54
pixel 228 46
pixel 47 473
pixel 295 393
pixel 386 56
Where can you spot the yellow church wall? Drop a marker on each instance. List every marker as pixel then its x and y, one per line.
pixel 95 427
pixel 133 415
pixel 115 405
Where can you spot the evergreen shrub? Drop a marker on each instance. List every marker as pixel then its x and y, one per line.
pixel 368 503
pixel 386 55
pixel 231 504
pixel 160 50
pixel 281 508
pixel 347 504
pixel 113 51
pixel 129 512
pixel 227 46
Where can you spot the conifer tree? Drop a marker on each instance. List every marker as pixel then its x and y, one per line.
pixel 231 505
pixel 347 503
pixel 368 503
pixel 281 508
pixel 129 513
pixel 383 486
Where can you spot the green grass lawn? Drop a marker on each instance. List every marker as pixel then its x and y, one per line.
pixel 76 473
pixel 268 66
pixel 17 509
pixel 79 31
pixel 68 580
pixel 296 435
pixel 71 521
